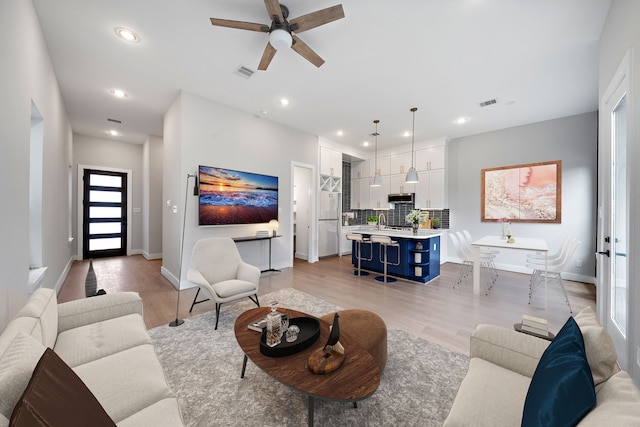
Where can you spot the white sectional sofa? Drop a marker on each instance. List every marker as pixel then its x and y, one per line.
pixel 104 341
pixel 503 362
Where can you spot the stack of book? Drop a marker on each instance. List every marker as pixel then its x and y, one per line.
pixel 535 325
pixel 262 233
pixel 258 325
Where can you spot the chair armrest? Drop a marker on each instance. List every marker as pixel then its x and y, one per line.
pixel 83 312
pixel 249 272
pixel 507 348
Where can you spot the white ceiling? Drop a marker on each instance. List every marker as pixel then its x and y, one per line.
pixel 537 58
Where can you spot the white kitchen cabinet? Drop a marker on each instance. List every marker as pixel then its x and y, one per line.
pixel 380 195
pixel 360 170
pixel 430 189
pixel 397 184
pixel 430 158
pixel 384 165
pixel 330 162
pixel 400 163
pixel 360 193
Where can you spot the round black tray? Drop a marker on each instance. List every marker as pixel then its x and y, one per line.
pixel 309 333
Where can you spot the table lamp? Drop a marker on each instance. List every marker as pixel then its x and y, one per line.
pixel 273 225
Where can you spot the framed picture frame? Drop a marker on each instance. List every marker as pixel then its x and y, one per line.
pixel 522 193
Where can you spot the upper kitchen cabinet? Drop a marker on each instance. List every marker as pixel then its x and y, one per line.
pixel 400 163
pixel 398 184
pixel 330 162
pixel 360 170
pixel 431 158
pixel 384 165
pixel 330 170
pixel 430 189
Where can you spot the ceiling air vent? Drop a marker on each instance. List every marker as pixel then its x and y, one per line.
pixel 244 72
pixel 114 120
pixel 487 103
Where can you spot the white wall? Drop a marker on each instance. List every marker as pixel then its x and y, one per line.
pixel 572 140
pixel 621 32
pixel 152 205
pixel 109 154
pixel 199 131
pixel 27 75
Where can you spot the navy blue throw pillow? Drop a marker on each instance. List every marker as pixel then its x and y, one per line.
pixel 561 392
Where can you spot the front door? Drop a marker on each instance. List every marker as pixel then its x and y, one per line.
pixel 104 213
pixel 613 224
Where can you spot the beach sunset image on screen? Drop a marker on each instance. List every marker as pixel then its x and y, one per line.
pixel 235 197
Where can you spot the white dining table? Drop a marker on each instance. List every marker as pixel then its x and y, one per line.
pixel 520 243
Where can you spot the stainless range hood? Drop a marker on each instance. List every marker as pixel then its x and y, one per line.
pixel 401 198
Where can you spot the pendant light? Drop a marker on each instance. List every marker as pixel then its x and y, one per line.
pixel 376 179
pixel 412 174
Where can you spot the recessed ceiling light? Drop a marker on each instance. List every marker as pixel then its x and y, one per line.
pixel 127 35
pixel 340 133
pixel 118 93
pixel 461 120
pixel 112 132
pixel 365 144
pixel 284 102
pixel 406 133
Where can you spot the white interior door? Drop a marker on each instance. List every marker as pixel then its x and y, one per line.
pixel 613 224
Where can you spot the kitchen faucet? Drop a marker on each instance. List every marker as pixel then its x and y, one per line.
pixel 381 219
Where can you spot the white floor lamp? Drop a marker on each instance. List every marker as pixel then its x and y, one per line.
pixel 178 321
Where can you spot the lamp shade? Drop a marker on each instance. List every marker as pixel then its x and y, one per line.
pixel 412 176
pixel 376 180
pixel 280 39
pixel 273 224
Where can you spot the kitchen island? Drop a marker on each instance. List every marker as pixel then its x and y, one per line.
pixel 416 258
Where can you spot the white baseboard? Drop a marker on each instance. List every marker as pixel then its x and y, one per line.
pixel 149 256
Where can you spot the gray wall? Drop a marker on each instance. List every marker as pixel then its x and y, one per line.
pixel 621 32
pixel 572 140
pixel 27 75
pixel 108 154
pixel 152 206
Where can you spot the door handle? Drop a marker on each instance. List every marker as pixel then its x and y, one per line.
pixel 607 253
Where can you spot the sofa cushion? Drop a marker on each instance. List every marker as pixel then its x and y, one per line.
pixel 27 325
pixel 43 305
pixel 16 366
pixel 94 341
pixel 489 395
pixel 55 396
pixel 617 403
pixel 561 390
pixel 126 382
pixel 164 413
pixel 232 287
pixel 598 344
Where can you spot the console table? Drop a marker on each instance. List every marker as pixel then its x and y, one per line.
pixel 252 238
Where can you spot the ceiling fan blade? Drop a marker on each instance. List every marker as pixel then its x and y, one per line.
pixel 306 52
pixel 315 19
pixel 273 8
pixel 241 25
pixel 267 56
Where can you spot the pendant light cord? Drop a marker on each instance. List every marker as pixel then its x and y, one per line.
pixel 413 135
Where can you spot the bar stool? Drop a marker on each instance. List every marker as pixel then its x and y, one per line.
pixel 385 242
pixel 359 239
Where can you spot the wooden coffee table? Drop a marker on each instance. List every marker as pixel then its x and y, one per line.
pixel 357 378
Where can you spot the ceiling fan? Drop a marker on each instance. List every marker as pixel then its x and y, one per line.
pixel 283 33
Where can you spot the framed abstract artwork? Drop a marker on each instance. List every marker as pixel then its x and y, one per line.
pixel 522 193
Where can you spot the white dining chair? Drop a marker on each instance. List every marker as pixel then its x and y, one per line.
pixel 466 267
pixel 553 273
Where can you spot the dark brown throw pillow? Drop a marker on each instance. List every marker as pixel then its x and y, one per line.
pixel 56 396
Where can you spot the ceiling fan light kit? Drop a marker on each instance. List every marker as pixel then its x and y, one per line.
pixel 280 39
pixel 283 33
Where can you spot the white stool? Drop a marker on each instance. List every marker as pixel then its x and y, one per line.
pixel 385 242
pixel 359 241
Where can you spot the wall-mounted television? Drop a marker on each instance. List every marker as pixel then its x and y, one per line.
pixel 230 197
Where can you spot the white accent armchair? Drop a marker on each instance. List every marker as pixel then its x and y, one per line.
pixel 217 268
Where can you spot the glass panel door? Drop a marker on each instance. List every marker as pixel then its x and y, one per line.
pixel 104 213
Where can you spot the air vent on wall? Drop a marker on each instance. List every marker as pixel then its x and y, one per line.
pixel 487 103
pixel 244 72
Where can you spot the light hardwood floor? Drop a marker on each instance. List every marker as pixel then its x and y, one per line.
pixel 434 311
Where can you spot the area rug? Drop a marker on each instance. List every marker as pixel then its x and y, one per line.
pixel 203 368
